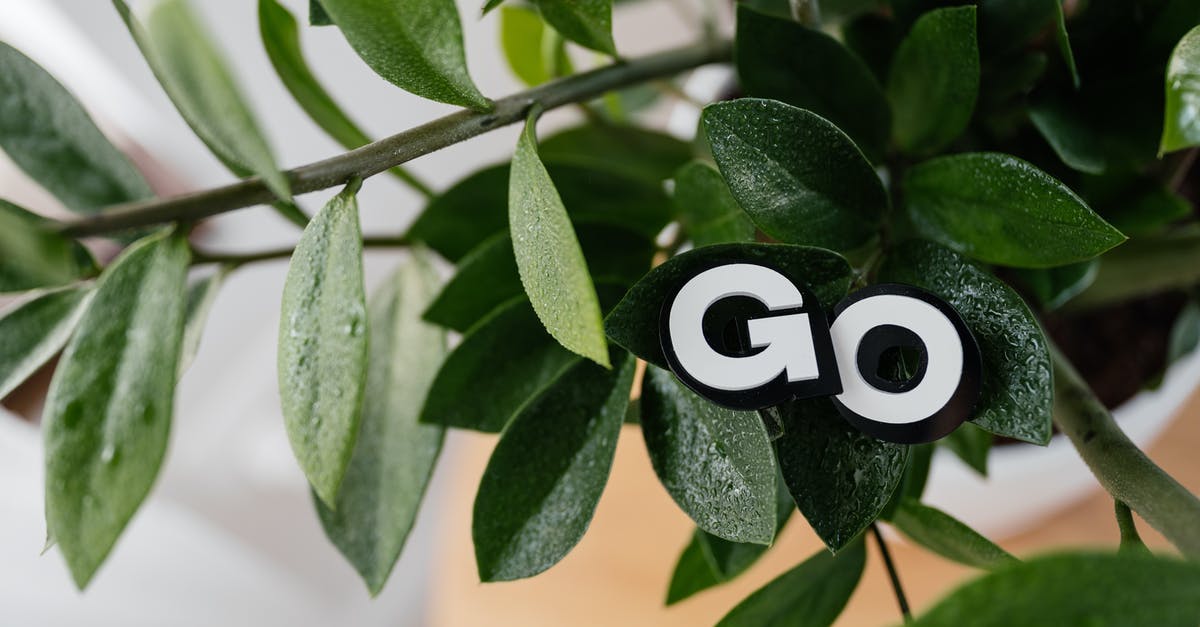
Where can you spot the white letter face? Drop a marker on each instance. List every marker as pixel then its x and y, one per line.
pixel 743 335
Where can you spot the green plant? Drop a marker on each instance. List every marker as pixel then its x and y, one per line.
pixel 964 149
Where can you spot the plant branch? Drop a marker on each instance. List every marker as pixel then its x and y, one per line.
pixel 893 575
pixel 1123 469
pixel 237 259
pixel 391 151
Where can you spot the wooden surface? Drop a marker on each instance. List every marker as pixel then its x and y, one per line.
pixel 618 574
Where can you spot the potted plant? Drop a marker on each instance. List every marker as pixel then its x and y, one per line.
pixel 1030 163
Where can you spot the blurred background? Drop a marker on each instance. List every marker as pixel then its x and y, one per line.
pixel 229 535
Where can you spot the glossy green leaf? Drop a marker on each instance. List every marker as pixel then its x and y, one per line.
pixel 1017 390
pixel 934 80
pixel 707 210
pixel 1054 287
pixel 502 362
pixel 46 132
pixel 809 595
pixel 1000 209
pixel 34 256
pixel 200 298
pixel 971 444
pixel 34 330
pixel 317 15
pixel 546 474
pixel 585 22
pixel 488 276
pixel 1007 26
pixel 693 572
pixel 778 58
pixel 521 36
pixel 190 68
pixel 943 534
pixel 630 151
pixel 916 474
pixel 394 455
pixel 1181 125
pixel 797 176
pixel 108 411
pixel 716 463
pixel 1093 589
pixel 840 477
pixel 476 208
pixel 323 344
pixel 416 45
pixel 634 322
pixel 549 258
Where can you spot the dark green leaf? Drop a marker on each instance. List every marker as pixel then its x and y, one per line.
pixel 1097 590
pixel 317 15
pixel 798 177
pixel 489 5
pixel 778 58
pixel 1135 205
pixel 840 477
pixel 627 150
pixel 716 463
pixel 809 595
pixel 1184 338
pixel 693 572
pixel 34 256
pixel 544 478
pixel 197 79
pixel 476 208
pixel 916 474
pixel 972 445
pixel 707 210
pixel 634 322
pixel 34 330
pixel 47 134
pixel 1064 42
pixel 108 411
pixel 1000 209
pixel 200 297
pixel 394 455
pixel 521 35
pixel 416 45
pixel 323 344
pixel 1181 127
pixel 1053 287
pixel 585 22
pixel 1017 392
pixel 934 80
pixel 874 39
pixel 502 362
pixel 549 258
pixel 943 534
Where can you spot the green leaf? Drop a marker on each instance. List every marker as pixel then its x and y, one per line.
pixel 1000 209
pixel 521 36
pixel 317 15
pixel 972 445
pixel 48 134
pixel 634 322
pixel 707 210
pixel 502 362
pixel 585 22
pixel 323 344
pixel 1093 589
pixel 798 177
pixel 934 80
pixel 416 45
pixel 488 276
pixel 108 411
pixel 546 474
pixel 1017 392
pixel 630 151
pixel 809 595
pixel 477 207
pixel 1184 337
pixel 191 70
pixel 34 331
pixel 943 534
pixel 715 462
pixel 840 477
pixel 1181 126
pixel 778 58
pixel 693 572
pixel 1135 205
pixel 200 298
pixel 34 255
pixel 1054 287
pixel 550 261
pixel 1064 42
pixel 395 455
